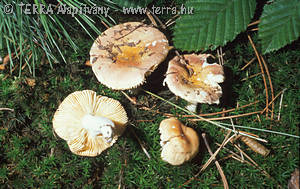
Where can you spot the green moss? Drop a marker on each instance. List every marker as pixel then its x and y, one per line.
pixel 33 157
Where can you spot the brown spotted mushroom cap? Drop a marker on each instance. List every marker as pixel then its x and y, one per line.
pixel 123 55
pixel 193 79
pixel 179 142
pixel 83 119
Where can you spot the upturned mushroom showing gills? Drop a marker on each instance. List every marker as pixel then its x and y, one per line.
pixel 89 123
pixel 123 55
pixel 179 142
pixel 193 79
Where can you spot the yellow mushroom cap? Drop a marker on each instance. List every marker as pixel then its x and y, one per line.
pixel 179 142
pixel 123 55
pixel 196 81
pixel 67 121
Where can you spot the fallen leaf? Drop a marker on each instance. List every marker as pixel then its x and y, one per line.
pixel 30 82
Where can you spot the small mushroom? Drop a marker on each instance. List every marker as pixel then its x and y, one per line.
pixel 193 79
pixel 89 123
pixel 179 142
pixel 123 55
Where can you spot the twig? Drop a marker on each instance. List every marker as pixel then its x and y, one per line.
pixel 227 117
pixel 104 24
pixel 263 73
pixel 170 23
pixel 250 62
pixel 225 183
pixel 236 156
pixel 270 83
pixel 159 21
pixel 254 23
pixel 7 109
pixel 121 178
pixel 225 141
pixel 129 98
pixel 141 144
pixel 221 125
pixel 257 166
pixel 273 100
pixel 151 18
pixel 252 161
pixel 220 56
pixel 225 111
pixel 138 26
pixel 251 76
pixel 172 19
pixel 281 98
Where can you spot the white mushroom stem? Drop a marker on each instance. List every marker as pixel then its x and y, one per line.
pixel 192 107
pixel 97 125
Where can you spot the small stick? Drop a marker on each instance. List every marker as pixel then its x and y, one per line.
pixel 280 106
pixel 104 24
pixel 263 73
pixel 270 83
pixel 220 56
pixel 151 18
pixel 225 141
pixel 129 98
pixel 250 62
pixel 159 21
pixel 261 169
pixel 225 183
pixel 251 76
pixel 170 23
pixel 141 144
pixel 172 19
pixel 242 157
pixel 254 23
pixel 274 99
pixel 121 178
pixel 236 156
pixel 254 29
pixel 227 117
pixel 224 111
pixel 7 109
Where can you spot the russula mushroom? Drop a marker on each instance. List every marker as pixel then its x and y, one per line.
pixel 123 55
pixel 89 123
pixel 179 142
pixel 193 79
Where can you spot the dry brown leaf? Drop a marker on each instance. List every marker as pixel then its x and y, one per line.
pixel 30 82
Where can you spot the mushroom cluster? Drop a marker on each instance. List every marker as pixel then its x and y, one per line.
pixel 121 58
pixel 123 55
pixel 179 142
pixel 89 123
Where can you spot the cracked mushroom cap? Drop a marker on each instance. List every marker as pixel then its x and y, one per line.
pixel 123 55
pixel 89 123
pixel 179 142
pixel 193 79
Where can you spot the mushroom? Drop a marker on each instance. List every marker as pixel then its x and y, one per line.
pixel 89 123
pixel 179 142
pixel 294 180
pixel 123 55
pixel 193 79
